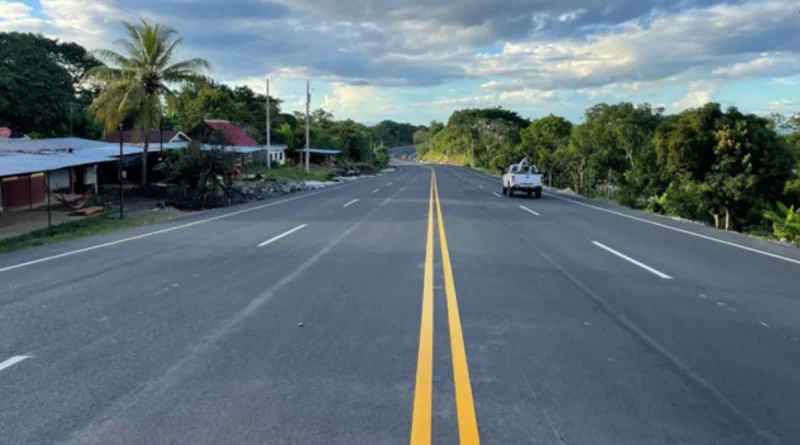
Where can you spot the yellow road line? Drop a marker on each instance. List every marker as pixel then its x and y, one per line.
pixel 465 405
pixel 423 395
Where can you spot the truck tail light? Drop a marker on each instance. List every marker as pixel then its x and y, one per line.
pixel 513 177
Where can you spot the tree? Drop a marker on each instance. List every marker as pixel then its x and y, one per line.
pixel 381 156
pixel 134 85
pixel 540 141
pixel 395 134
pixel 35 91
pixel 737 162
pixel 201 100
pixel 197 174
pixel 72 57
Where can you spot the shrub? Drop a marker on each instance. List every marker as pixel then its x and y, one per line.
pixel 785 224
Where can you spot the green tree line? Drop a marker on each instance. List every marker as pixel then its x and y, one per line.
pixel 50 88
pixel 720 166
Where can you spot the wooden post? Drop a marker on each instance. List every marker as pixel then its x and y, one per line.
pixel 121 191
pixel 49 191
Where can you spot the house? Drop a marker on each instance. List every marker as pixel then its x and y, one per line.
pixel 218 132
pixel 221 132
pixel 74 165
pixel 156 137
pixel 316 155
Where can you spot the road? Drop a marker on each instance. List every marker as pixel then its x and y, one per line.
pixel 417 307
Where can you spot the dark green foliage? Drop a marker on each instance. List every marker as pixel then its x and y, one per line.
pixel 35 91
pixel 720 166
pixel 201 176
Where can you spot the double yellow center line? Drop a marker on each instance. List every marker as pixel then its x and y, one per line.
pixel 422 418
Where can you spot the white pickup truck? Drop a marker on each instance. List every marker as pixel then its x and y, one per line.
pixel 522 177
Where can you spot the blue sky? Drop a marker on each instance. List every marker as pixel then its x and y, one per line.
pixel 419 60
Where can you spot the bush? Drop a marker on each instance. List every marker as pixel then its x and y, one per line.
pixel 786 224
pixel 684 199
pixel 381 156
pixel 366 168
pixel 203 177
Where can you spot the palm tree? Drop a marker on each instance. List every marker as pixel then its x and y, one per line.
pixel 135 85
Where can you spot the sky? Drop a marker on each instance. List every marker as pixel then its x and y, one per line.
pixel 420 60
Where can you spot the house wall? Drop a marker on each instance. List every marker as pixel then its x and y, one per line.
pixel 278 157
pixel 23 192
pixel 59 179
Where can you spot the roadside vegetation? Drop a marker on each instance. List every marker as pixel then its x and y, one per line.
pixel 729 169
pixel 146 86
pixel 73 230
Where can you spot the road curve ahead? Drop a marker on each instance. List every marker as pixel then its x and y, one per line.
pixel 419 307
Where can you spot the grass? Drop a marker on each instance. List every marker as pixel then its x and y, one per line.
pixel 73 230
pixel 290 173
pixel 487 171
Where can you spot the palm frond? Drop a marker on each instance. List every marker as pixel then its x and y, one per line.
pixel 186 70
pixel 136 52
pixel 107 55
pixel 102 73
pixel 166 55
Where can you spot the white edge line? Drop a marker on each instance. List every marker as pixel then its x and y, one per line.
pixel 529 210
pixel 287 233
pixel 376 190
pixel 13 361
pixel 389 184
pixel 496 194
pixel 631 260
pixel 350 203
pixel 158 232
pixel 676 229
pixel 480 186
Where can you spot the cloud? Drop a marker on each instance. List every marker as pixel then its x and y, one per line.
pixel 14 10
pixel 357 102
pixel 700 40
pixel 785 82
pixel 527 96
pixel 761 66
pixel 783 104
pixel 699 93
pixel 468 101
pixel 517 52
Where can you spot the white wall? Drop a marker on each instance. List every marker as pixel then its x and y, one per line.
pixel 90 177
pixel 278 157
pixel 59 179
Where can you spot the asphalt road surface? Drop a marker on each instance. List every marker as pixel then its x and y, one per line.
pixel 419 307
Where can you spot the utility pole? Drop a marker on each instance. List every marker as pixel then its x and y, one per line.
pixel 70 119
pixel 121 174
pixel 608 186
pixel 268 130
pixel 161 133
pixel 472 134
pixel 49 192
pixel 308 123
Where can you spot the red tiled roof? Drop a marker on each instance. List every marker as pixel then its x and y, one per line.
pixel 235 135
pixel 131 136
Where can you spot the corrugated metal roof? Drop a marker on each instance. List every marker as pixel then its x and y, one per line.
pixel 18 157
pixel 234 149
pixel 321 151
pixel 37 145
